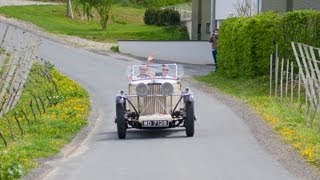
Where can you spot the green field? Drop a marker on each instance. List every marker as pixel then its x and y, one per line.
pixel 126 23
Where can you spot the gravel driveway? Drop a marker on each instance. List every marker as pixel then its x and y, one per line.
pixel 22 2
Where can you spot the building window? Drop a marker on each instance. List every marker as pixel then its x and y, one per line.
pixel 199 28
pixel 208 28
pixel 218 23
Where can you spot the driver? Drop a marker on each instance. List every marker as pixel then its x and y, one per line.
pixel 143 71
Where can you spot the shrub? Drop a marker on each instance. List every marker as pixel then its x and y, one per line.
pixel 154 3
pixel 114 48
pixel 151 16
pixel 163 17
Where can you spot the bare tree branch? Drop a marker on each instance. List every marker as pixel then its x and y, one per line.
pixel 244 8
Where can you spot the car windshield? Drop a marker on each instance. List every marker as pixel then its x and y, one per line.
pixel 154 71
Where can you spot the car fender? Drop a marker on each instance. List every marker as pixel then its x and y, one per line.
pixel 188 96
pixel 120 97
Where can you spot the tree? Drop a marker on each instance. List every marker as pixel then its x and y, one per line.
pixel 69 9
pixel 103 8
pixel 244 8
pixel 86 8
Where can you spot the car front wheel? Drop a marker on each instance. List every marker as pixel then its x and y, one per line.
pixel 189 121
pixel 121 122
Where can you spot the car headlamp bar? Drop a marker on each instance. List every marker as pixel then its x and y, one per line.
pixel 153 95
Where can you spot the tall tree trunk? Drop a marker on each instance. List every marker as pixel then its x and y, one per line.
pixel 69 9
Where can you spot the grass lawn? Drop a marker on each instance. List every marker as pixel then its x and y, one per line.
pixel 126 23
pixel 285 119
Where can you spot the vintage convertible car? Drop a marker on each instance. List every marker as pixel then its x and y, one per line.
pixel 154 99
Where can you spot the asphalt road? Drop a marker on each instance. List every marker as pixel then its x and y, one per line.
pixel 223 146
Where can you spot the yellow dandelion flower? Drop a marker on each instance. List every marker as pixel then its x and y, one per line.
pixel 307 152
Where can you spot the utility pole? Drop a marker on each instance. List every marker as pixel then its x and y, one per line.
pixel 199 26
pixel 289 5
pixel 211 15
pixel 258 6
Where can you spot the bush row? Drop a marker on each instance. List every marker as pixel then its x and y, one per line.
pixel 161 17
pixel 245 44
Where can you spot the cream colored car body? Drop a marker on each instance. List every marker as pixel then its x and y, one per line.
pixel 155 106
pixel 154 101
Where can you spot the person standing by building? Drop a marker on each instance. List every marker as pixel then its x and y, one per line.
pixel 214 44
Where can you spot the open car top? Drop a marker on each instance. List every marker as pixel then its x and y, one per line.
pixel 154 71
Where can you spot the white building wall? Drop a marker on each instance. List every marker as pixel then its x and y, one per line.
pixel 190 52
pixel 188 25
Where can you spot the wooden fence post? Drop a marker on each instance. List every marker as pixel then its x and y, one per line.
pixel 271 64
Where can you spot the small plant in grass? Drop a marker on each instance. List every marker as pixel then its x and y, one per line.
pixel 115 48
pixel 11 170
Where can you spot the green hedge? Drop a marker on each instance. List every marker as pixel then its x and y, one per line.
pixel 299 26
pixel 245 44
pixel 162 17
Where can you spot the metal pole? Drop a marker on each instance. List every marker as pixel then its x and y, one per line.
pixel 211 16
pixel 281 80
pixel 276 77
pixel 289 5
pixel 270 75
pixel 292 83
pixel 299 89
pixel 276 72
pixel 287 78
pixel 306 109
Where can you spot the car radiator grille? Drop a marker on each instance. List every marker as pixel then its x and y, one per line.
pixel 154 104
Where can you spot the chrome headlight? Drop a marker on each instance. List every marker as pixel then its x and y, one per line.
pixel 167 88
pixel 142 89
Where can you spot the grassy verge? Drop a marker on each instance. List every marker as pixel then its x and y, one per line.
pixel 126 23
pixel 59 110
pixel 286 120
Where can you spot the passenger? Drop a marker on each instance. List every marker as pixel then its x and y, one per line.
pixel 165 71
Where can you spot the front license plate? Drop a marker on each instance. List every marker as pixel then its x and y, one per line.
pixel 159 123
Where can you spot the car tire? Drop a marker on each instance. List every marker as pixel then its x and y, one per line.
pixel 189 121
pixel 121 122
